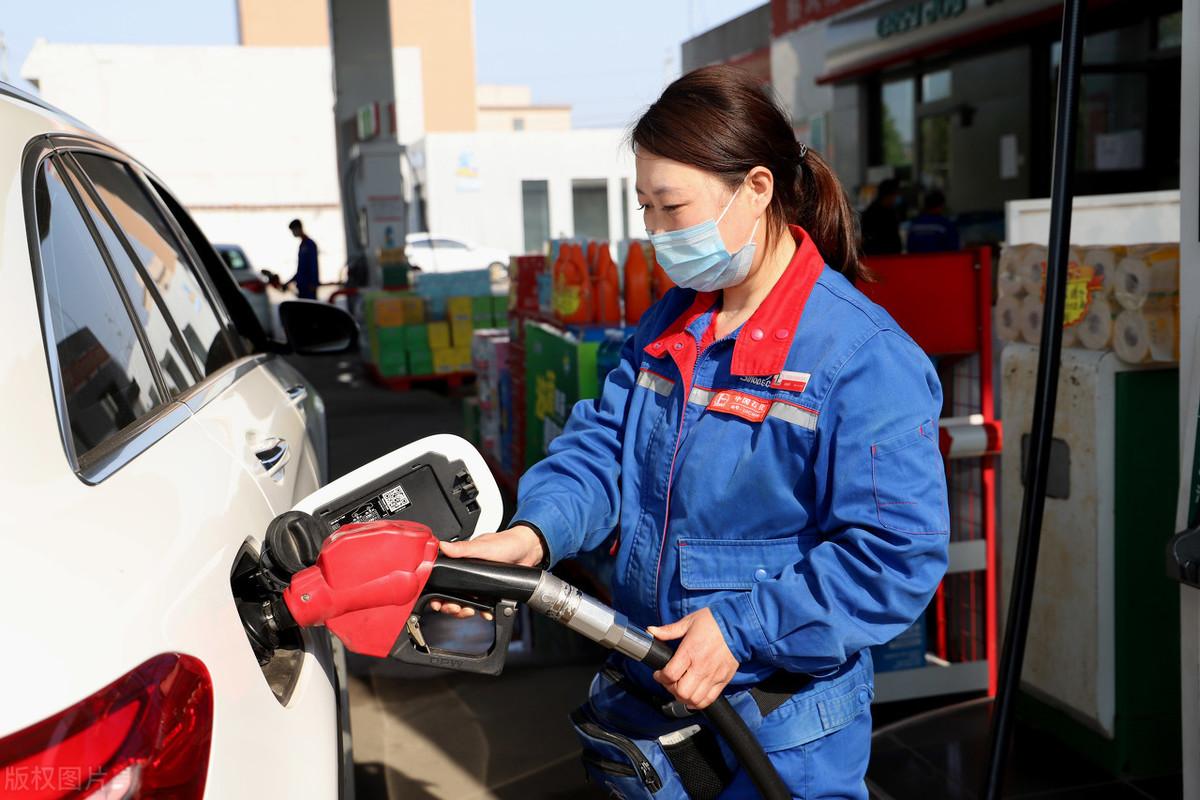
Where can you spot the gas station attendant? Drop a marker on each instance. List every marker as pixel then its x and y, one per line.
pixel 763 464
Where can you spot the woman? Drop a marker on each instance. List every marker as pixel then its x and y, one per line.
pixel 766 451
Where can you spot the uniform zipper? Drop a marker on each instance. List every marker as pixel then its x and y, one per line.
pixel 678 441
pixel 645 770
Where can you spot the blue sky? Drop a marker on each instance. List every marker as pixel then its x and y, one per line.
pixel 606 58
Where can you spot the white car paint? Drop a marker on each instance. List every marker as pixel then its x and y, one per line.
pixel 103 576
pixel 433 252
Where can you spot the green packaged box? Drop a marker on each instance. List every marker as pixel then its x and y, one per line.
pixel 392 364
pixel 395 274
pixel 416 337
pixel 420 362
pixel 481 307
pixel 560 371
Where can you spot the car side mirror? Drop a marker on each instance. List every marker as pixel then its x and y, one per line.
pixel 315 328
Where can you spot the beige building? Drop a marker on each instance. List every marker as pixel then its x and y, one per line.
pixel 511 108
pixel 443 31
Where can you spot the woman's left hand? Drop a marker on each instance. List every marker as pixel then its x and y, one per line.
pixel 702 664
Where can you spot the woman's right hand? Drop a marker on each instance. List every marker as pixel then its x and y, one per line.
pixel 519 544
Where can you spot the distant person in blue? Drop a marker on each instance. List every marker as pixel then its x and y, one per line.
pixel 306 277
pixel 932 231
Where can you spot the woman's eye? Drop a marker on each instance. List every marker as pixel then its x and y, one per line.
pixel 642 207
pixel 672 209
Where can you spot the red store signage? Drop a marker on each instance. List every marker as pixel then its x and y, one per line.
pixel 787 15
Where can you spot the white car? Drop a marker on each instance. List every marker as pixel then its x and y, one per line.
pixel 152 436
pixel 252 283
pixel 436 253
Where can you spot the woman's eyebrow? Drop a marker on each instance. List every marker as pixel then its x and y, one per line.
pixel 657 190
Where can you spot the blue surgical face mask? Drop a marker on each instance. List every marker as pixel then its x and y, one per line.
pixel 695 257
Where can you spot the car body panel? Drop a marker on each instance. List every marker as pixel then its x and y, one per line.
pixel 102 577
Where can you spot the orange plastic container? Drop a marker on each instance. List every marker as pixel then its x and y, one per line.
pixel 608 289
pixel 637 285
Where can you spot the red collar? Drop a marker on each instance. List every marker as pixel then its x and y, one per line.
pixel 762 345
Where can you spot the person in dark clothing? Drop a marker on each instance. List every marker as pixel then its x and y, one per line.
pixel 880 227
pixel 306 277
pixel 932 231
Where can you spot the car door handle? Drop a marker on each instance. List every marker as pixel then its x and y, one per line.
pixel 272 453
pixel 297 394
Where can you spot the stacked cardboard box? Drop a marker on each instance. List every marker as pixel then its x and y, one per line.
pixel 389 316
pixel 409 334
pixel 489 358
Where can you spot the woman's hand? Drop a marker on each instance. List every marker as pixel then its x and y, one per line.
pixel 517 545
pixel 702 664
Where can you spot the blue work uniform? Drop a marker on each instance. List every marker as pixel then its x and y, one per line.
pixel 787 477
pixel 932 233
pixel 307 276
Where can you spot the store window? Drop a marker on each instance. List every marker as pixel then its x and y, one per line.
pixel 590 199
pixel 535 210
pixel 1128 125
pixel 935 86
pixel 897 105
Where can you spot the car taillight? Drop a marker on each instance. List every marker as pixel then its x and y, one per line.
pixel 253 285
pixel 146 735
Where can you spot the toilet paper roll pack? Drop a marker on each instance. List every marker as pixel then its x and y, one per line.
pixel 1031 319
pixel 1094 331
pixel 1147 334
pixel 1146 275
pixel 1007 318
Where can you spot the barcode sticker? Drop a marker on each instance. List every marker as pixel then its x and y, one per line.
pixel 395 499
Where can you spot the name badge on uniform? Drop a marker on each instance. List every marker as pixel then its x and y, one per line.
pixel 790 381
pixel 740 404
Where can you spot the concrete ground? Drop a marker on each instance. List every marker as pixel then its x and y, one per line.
pixel 424 733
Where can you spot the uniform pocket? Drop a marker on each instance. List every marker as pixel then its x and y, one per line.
pixel 709 566
pixel 909 477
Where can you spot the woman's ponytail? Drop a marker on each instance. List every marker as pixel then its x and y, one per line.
pixel 823 210
pixel 721 120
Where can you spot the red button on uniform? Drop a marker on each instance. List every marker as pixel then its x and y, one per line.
pixel 756 334
pixel 781 334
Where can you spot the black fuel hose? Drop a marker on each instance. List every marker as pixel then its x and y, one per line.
pixel 733 730
pixel 488 581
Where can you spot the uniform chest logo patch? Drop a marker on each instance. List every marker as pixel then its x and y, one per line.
pixel 790 381
pixel 740 404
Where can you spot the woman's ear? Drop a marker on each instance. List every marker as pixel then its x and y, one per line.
pixel 761 183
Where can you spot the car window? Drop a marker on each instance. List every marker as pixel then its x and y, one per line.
pixel 419 243
pixel 448 244
pixel 234 258
pixel 162 256
pixel 165 343
pixel 107 381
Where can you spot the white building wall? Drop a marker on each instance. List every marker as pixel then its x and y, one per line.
pixel 473 180
pixel 797 60
pixel 242 135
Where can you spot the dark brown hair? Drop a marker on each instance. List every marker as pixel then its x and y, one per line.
pixel 721 120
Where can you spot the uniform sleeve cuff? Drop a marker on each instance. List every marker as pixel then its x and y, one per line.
pixel 738 621
pixel 549 523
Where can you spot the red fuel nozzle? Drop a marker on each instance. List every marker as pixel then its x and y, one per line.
pixel 365 583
